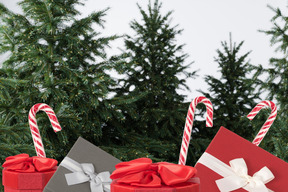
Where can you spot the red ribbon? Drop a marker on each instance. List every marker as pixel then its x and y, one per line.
pixel 142 172
pixel 24 163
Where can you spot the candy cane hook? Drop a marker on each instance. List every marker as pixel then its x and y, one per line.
pixel 265 128
pixel 39 147
pixel 189 125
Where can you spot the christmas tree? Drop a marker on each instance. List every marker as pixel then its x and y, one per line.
pixel 235 93
pixel 13 138
pixel 277 82
pixel 153 69
pixel 62 62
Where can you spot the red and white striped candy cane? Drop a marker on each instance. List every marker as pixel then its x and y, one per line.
pixel 189 125
pixel 265 128
pixel 34 127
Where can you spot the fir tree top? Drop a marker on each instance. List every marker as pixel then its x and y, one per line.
pixel 234 94
pixel 155 70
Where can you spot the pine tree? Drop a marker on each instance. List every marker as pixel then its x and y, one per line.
pixel 234 94
pixel 63 62
pixel 12 138
pixel 277 81
pixel 152 69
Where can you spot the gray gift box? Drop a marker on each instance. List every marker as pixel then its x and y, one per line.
pixel 82 152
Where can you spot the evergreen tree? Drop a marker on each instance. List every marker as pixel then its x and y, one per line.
pixel 12 138
pixel 152 69
pixel 234 94
pixel 63 63
pixel 277 81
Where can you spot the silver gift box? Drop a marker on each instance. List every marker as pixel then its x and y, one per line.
pixel 82 152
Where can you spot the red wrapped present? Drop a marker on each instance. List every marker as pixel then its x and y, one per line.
pixel 31 174
pixel 235 163
pixel 141 175
pixel 24 173
pixel 231 163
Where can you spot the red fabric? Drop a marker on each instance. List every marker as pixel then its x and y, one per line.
pixel 25 164
pixel 20 190
pixel 183 187
pixel 143 173
pixel 24 173
pixel 227 146
pixel 14 181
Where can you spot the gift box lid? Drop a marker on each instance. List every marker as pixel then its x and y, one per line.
pixel 227 146
pixel 82 152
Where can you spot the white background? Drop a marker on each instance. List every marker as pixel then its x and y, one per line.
pixel 205 22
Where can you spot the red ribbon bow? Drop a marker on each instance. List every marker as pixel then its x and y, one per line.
pixel 24 163
pixel 142 172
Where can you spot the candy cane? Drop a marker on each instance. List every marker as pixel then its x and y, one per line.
pixel 265 128
pixel 34 127
pixel 189 125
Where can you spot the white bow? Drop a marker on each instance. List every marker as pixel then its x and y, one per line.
pixel 241 179
pixel 236 175
pixel 85 172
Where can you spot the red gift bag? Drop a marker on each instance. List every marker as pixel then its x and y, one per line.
pixel 31 174
pixel 24 173
pixel 141 175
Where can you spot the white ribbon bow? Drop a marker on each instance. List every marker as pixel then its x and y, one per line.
pixel 85 172
pixel 236 175
pixel 241 178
